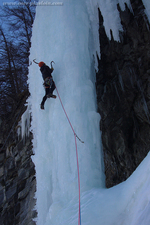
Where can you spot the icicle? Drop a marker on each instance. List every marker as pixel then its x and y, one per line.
pixel 25 123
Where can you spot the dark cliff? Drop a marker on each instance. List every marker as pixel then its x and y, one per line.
pixel 17 172
pixel 123 94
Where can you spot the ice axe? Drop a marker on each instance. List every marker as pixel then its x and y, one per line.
pixel 51 63
pixel 38 63
pixel 35 61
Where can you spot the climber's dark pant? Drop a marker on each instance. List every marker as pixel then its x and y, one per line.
pixel 47 92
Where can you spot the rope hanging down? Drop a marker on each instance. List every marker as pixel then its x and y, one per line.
pixel 68 117
pixel 75 136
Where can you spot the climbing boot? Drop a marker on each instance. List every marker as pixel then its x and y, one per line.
pixel 42 106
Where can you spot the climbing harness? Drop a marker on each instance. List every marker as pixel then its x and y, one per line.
pixel 75 136
pixel 48 82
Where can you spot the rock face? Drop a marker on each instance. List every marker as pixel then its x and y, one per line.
pixel 17 175
pixel 123 94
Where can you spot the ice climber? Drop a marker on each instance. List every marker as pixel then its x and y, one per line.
pixel 49 84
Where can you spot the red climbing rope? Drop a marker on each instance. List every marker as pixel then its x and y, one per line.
pixel 79 217
pixel 75 136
